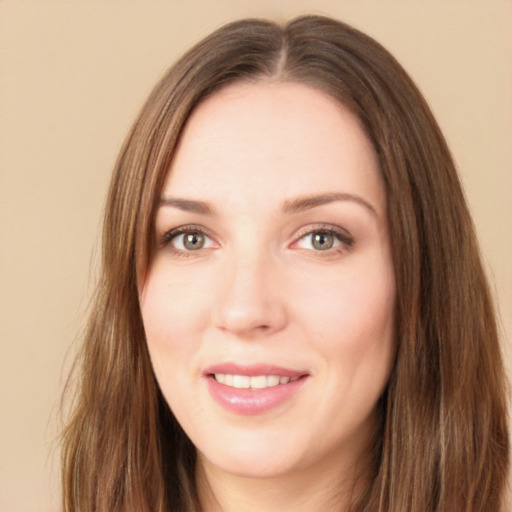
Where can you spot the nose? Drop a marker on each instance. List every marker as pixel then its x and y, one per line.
pixel 250 301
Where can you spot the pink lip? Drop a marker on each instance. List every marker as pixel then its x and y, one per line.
pixel 252 401
pixel 252 370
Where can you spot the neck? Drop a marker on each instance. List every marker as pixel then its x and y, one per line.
pixel 301 491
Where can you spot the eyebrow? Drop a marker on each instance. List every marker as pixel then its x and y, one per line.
pixel 312 201
pixel 290 206
pixel 188 205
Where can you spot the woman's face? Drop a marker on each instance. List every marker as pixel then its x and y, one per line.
pixel 269 303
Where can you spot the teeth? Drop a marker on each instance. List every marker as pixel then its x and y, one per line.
pixel 241 381
pixel 256 382
pixel 273 380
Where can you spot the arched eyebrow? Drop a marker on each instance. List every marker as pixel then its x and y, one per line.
pixel 188 205
pixel 302 203
pixel 289 206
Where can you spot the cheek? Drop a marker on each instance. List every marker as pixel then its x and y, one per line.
pixel 174 311
pixel 352 327
pixel 351 319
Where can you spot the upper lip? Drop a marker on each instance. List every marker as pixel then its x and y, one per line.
pixel 253 370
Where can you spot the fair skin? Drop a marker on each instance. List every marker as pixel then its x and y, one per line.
pixel 273 272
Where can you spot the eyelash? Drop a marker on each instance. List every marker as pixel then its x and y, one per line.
pixel 346 241
pixel 172 234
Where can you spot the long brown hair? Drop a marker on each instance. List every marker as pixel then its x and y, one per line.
pixel 443 443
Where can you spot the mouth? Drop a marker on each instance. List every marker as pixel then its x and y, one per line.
pixel 250 390
pixel 254 382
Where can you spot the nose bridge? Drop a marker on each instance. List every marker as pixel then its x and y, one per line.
pixel 248 300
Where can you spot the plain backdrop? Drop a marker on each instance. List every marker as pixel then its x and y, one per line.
pixel 73 75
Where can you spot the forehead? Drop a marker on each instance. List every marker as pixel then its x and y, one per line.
pixel 268 140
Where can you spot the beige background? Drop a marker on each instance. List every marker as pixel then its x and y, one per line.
pixel 72 77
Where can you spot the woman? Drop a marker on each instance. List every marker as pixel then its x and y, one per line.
pixel 292 312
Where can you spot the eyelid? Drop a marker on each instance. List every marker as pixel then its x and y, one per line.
pixel 341 234
pixel 171 234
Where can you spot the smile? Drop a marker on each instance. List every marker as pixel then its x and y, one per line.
pixel 254 382
pixel 253 389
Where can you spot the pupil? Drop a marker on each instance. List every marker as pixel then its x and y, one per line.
pixel 193 241
pixel 322 241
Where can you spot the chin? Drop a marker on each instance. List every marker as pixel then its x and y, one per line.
pixel 252 460
pixel 254 469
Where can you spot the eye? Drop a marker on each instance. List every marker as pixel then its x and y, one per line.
pixel 324 240
pixel 187 239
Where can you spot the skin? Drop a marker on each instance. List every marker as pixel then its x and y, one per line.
pixel 260 291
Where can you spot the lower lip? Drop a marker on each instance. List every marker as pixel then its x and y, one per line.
pixel 252 401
